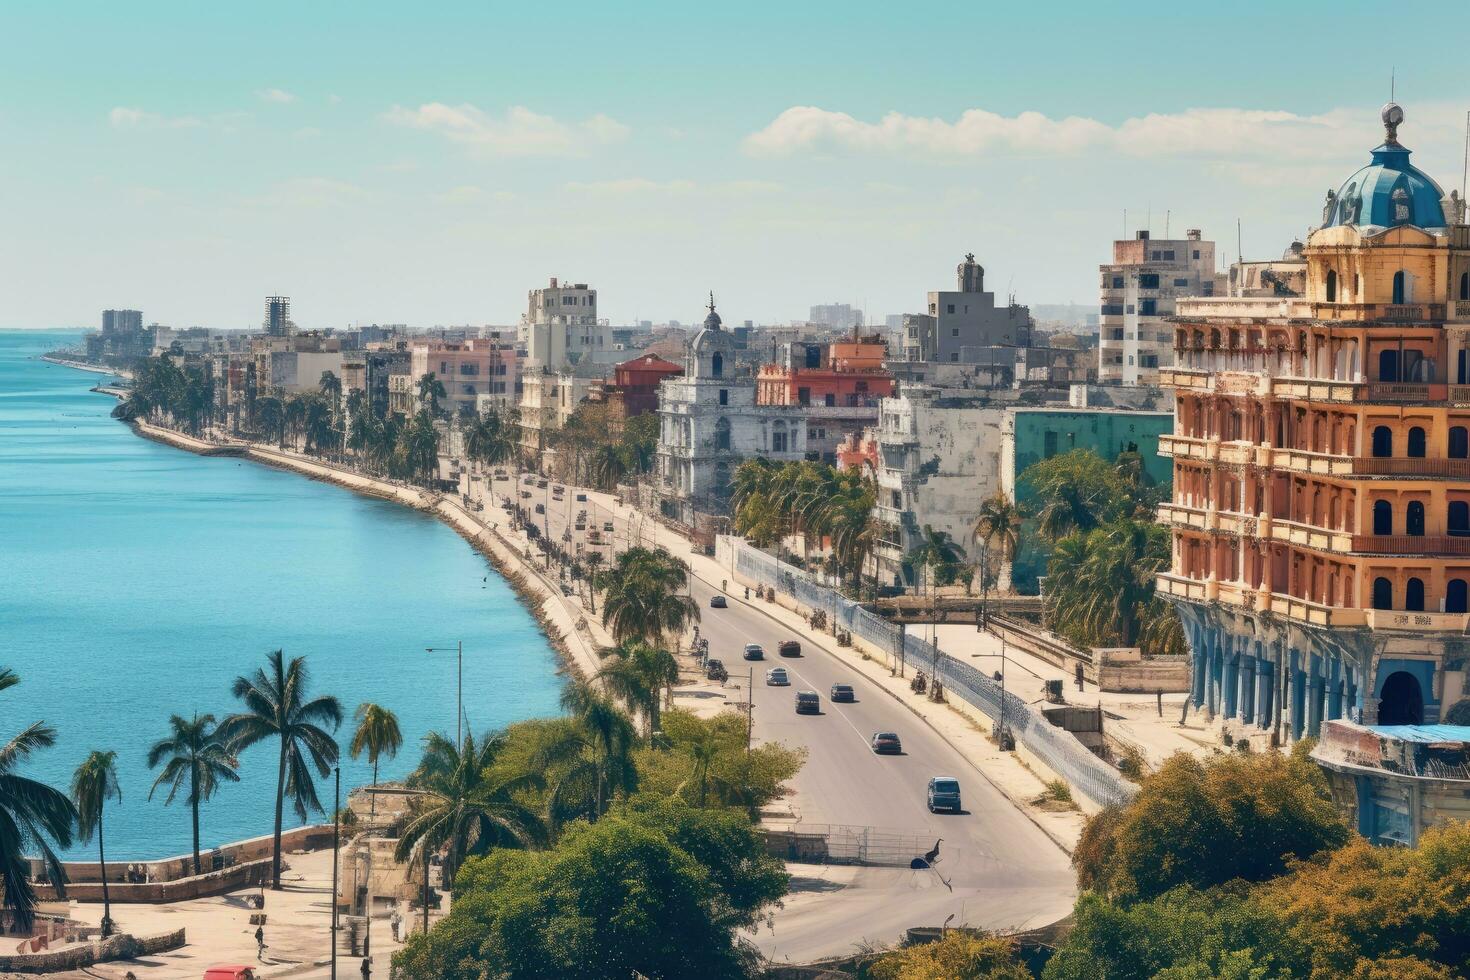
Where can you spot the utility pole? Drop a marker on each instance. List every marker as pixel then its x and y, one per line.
pixel 426 889
pixel 749 708
pixel 1000 738
pixel 336 847
pixel 459 689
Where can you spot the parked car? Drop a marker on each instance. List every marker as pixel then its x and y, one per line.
pixel 540 484
pixel 717 602
pixel 540 508
pixel 558 488
pixel 776 677
pixel 753 651
pixel 581 498
pixel 808 703
pixel 715 670
pixel 843 692
pixel 607 526
pixel 887 743
pixel 526 493
pixel 789 648
pixel 944 794
pixel 230 973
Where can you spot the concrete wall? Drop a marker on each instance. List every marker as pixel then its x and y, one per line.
pixel 82 956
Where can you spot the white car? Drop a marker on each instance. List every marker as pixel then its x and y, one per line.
pixel 776 677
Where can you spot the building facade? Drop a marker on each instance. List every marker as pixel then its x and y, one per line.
pixel 1140 289
pixel 838 315
pixel 1321 507
pixel 839 385
pixel 967 318
pixel 709 422
pixel 477 374
pixel 277 321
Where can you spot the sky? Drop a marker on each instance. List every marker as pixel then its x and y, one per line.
pixel 428 163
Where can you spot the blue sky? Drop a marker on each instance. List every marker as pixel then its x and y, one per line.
pixel 428 163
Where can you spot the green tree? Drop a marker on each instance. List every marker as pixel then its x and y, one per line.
pixel 277 707
pixel 1076 491
pixel 1204 823
pixel 466 807
pixel 957 956
pixel 32 815
pixel 431 391
pixel 270 416
pixel 377 735
pixel 640 676
pixel 93 784
pixel 998 526
pixel 592 756
pixel 937 556
pixel 642 601
pixel 194 757
pixel 707 763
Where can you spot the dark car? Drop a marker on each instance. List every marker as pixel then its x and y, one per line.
pixel 789 648
pixel 715 670
pixel 944 794
pixel 843 692
pixel 887 743
pixel 808 703
pixel 717 602
pixel 753 651
pixel 581 498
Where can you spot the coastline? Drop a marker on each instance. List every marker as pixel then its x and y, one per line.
pixel 84 366
pixel 574 638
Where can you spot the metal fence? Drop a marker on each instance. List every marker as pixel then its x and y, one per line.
pixel 1056 748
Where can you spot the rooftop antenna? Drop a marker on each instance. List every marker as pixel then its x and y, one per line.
pixel 1148 221
pixel 1167 214
pixel 1465 173
pixel 1239 249
pixel 1392 80
pixel 1125 223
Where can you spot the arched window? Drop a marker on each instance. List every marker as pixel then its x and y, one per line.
pixel 1459 447
pixel 1388 365
pixel 1382 517
pixel 722 434
pixel 1401 701
pixel 1398 287
pixel 717 365
pixel 1416 442
pixel 1331 286
pixel 1382 593
pixel 1465 285
pixel 1456 596
pixel 1458 521
pixel 1414 519
pixel 1382 441
pixel 1414 595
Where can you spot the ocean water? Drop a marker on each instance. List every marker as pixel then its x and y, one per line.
pixel 137 580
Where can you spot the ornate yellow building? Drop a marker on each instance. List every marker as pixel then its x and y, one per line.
pixel 1321 507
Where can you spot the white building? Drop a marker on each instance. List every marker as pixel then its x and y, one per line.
pixel 1139 288
pixel 560 325
pixel 710 422
pixel 961 323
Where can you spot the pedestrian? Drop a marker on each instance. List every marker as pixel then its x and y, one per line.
pixel 395 920
pixel 367 969
pixel 260 943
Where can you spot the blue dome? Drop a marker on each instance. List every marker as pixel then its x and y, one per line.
pixel 1388 192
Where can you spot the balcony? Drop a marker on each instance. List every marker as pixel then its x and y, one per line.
pixel 1410 544
pixel 1190 517
pixel 1462 309
pixel 1398 619
pixel 1308 536
pixel 1380 391
pixel 1187 447
pixel 1192 379
pixel 1413 466
pixel 1242 596
pixel 1394 312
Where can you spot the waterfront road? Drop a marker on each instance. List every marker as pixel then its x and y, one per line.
pixel 996 869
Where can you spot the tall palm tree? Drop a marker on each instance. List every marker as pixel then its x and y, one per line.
pixel 270 415
pixel 93 784
pixel 936 553
pixel 999 524
pixel 378 735
pixel 276 706
pixel 593 757
pixel 467 807
pixel 642 599
pixel 431 389
pixel 704 750
pixel 32 815
pixel 639 675
pixel 197 761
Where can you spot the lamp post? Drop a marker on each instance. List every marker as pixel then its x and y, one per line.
pixel 336 845
pixel 459 693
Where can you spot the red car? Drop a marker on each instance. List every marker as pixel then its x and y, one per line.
pixel 230 973
pixel 887 743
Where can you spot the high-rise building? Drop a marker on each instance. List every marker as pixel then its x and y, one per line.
pixel 961 326
pixel 121 322
pixel 1139 290
pixel 1321 507
pixel 838 315
pixel 278 316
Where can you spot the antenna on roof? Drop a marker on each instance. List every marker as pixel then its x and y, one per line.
pixel 1392 79
pixel 1239 249
pixel 1465 173
pixel 1167 214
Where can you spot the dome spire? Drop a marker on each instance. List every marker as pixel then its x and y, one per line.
pixel 1393 115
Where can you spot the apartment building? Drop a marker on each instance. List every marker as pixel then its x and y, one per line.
pixel 1140 288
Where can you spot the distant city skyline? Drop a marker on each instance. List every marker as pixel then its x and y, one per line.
pixel 430 167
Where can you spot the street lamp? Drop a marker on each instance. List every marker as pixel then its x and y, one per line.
pixel 336 845
pixel 459 693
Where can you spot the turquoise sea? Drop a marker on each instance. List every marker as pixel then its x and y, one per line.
pixel 136 581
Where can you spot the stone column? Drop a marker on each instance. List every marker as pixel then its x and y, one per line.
pixel 1246 705
pixel 1314 697
pixel 1228 684
pixel 1264 682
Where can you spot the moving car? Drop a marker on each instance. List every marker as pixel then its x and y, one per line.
pixel 789 648
pixel 808 703
pixel 887 743
pixel 715 670
pixel 843 692
pixel 717 602
pixel 944 794
pixel 540 508
pixel 753 651
pixel 581 498
pixel 776 677
pixel 607 526
pixel 540 484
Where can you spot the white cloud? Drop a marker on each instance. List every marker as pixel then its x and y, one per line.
pixel 276 95
pixel 625 186
pixel 126 117
pixel 1232 133
pixel 519 132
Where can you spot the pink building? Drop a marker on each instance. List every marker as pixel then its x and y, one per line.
pixel 477 374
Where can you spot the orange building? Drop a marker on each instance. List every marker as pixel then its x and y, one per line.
pixel 1321 508
pixel 838 384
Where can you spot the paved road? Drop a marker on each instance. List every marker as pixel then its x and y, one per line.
pixel 996 868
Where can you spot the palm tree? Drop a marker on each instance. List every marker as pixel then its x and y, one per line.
pixel 609 465
pixel 999 523
pixel 378 735
pixel 936 552
pixel 32 815
pixel 270 415
pixel 276 706
pixel 198 760
pixel 642 601
pixel 593 756
pixel 431 389
pixel 704 750
pixel 94 783
pixel 466 807
pixel 639 675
